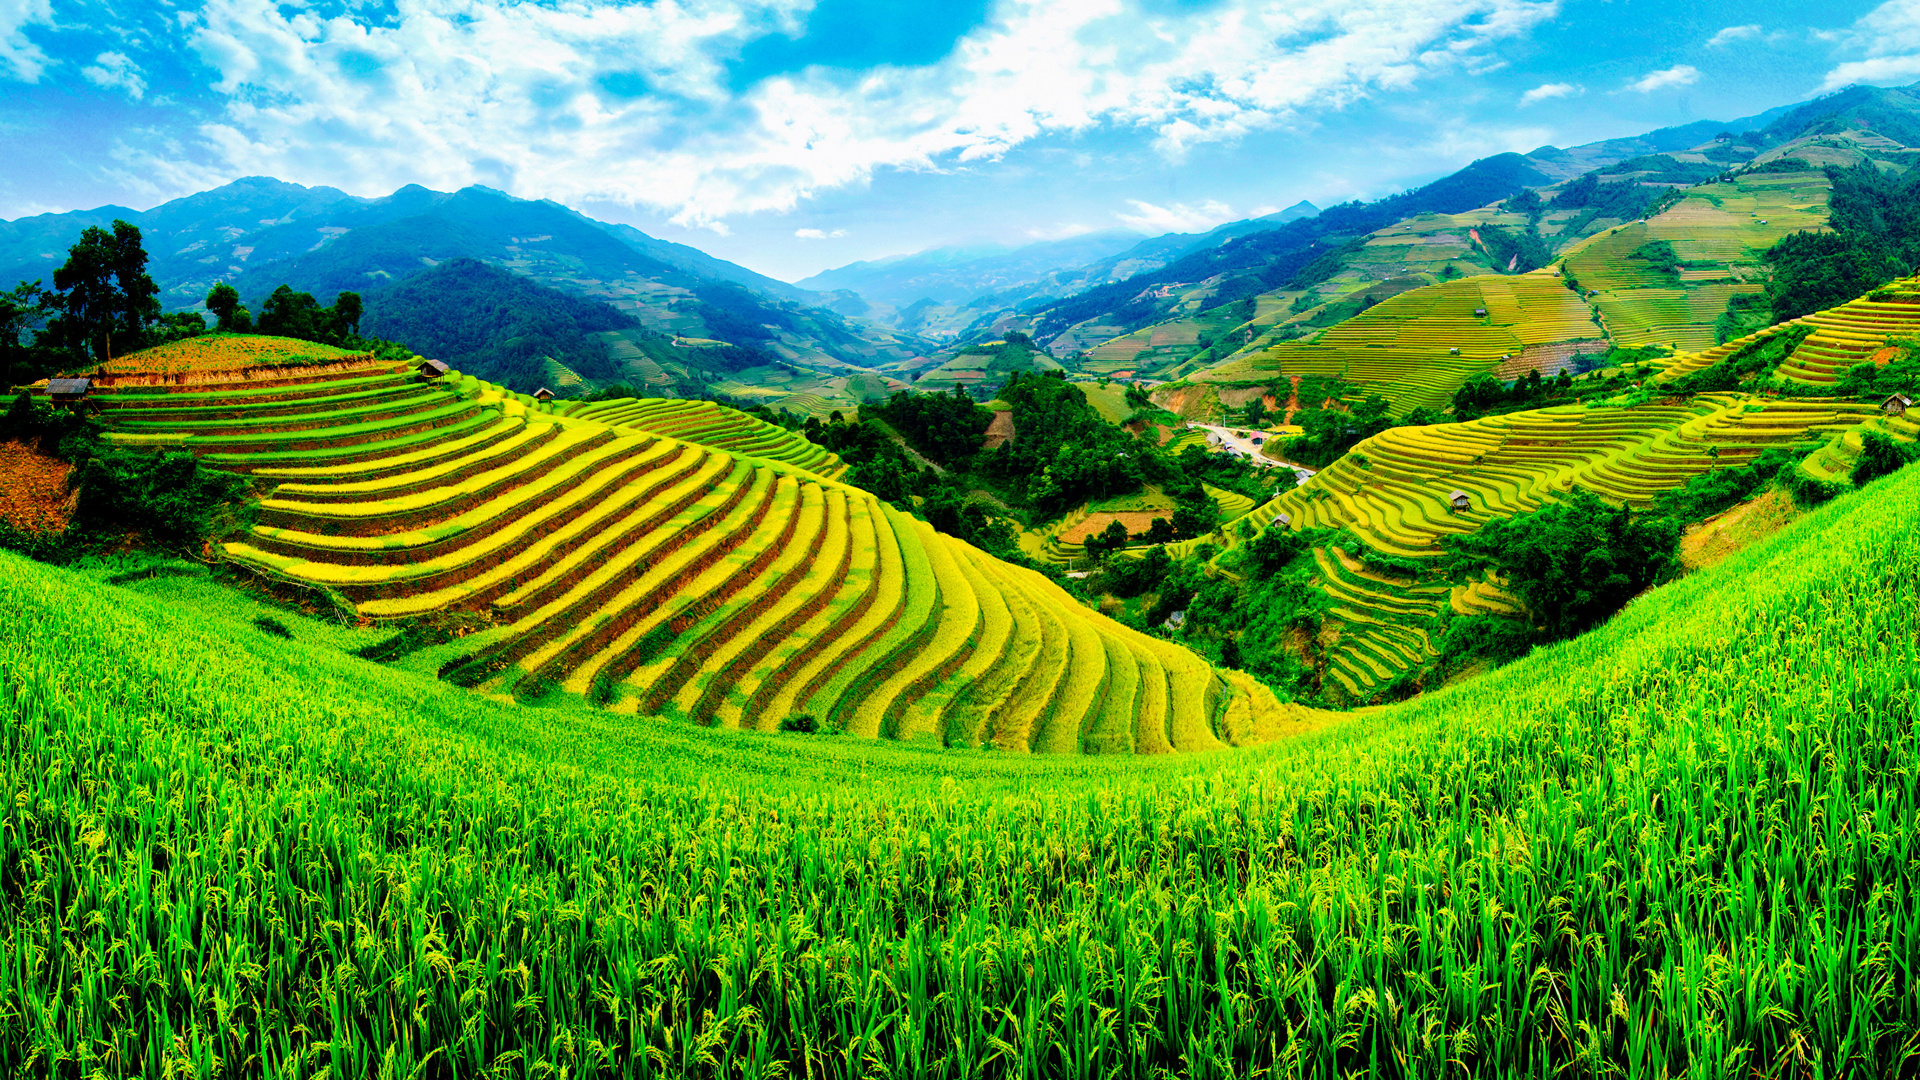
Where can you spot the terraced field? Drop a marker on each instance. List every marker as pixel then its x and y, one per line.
pixel 1856 332
pixel 1417 348
pixel 1392 494
pixel 674 558
pixel 1721 230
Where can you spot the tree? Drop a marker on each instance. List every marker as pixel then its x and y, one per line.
pixel 1573 563
pixel 103 295
pixel 20 312
pixel 346 315
pixel 1880 456
pixel 223 301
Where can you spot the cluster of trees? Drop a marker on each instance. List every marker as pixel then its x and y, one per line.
pixel 1875 237
pixel 925 453
pixel 103 304
pixel 289 314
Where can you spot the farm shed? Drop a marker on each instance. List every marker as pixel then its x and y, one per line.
pixel 1284 519
pixel 1896 405
pixel 68 391
pixel 433 369
pixel 1479 313
pixel 1458 500
pixel 543 394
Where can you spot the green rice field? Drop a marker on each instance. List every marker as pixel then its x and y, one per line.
pixel 1683 845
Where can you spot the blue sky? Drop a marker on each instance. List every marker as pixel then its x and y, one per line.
pixel 793 135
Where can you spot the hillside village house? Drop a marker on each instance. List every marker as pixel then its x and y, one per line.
pixel 543 394
pixel 1897 405
pixel 1458 500
pixel 68 391
pixel 433 369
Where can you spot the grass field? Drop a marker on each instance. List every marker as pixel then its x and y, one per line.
pixel 226 352
pixel 1681 845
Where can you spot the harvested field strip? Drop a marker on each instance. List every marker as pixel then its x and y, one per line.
pixel 443 498
pixel 969 693
pixel 620 617
pixel 709 588
pixel 991 689
pixel 552 554
pixel 909 702
pixel 593 470
pixel 1017 724
pixel 728 634
pixel 729 689
pixel 894 641
pixel 1080 696
pixel 536 633
pixel 877 596
pixel 436 466
pixel 428 440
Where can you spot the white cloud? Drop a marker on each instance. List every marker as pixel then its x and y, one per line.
pixel 1732 34
pixel 23 57
pixel 112 69
pixel 1682 75
pixel 819 234
pixel 1179 217
pixel 590 100
pixel 1888 38
pixel 1547 92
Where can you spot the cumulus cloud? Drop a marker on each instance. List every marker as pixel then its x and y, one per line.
pixel 593 100
pixel 112 69
pixel 18 55
pixel 1547 92
pixel 1888 41
pixel 819 234
pixel 1732 34
pixel 1682 75
pixel 1149 218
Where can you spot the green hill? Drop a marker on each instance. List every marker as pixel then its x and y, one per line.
pixel 1680 845
pixel 665 557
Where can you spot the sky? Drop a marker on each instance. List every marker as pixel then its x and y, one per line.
pixel 795 135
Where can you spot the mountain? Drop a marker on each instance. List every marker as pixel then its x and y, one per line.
pixel 943 292
pixel 954 275
pixel 259 233
pixel 499 326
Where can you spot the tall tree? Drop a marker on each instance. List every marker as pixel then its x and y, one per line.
pixel 223 300
pixel 104 297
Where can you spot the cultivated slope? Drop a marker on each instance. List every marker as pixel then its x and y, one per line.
pixel 670 557
pixel 1683 845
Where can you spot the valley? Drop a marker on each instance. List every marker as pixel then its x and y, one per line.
pixel 1468 631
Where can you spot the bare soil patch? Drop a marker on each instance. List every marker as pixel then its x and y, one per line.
pixel 33 489
pixel 1136 521
pixel 1000 430
pixel 1727 532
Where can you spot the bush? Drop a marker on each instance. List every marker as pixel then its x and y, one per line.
pixel 1881 456
pixel 803 724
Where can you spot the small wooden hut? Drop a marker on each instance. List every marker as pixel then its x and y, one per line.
pixel 1897 405
pixel 1459 501
pixel 543 394
pixel 433 369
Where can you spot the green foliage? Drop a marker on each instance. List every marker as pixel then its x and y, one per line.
pixel 1877 382
pixel 496 325
pixel 1875 218
pixel 1659 257
pixel 1514 251
pixel 103 299
pixel 1711 492
pixel 1751 364
pixel 947 428
pixel 1881 456
pixel 1485 395
pixel 1495 640
pixel 1573 562
pixel 1745 313
pixel 272 627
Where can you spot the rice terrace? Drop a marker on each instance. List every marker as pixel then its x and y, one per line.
pixel 939 577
